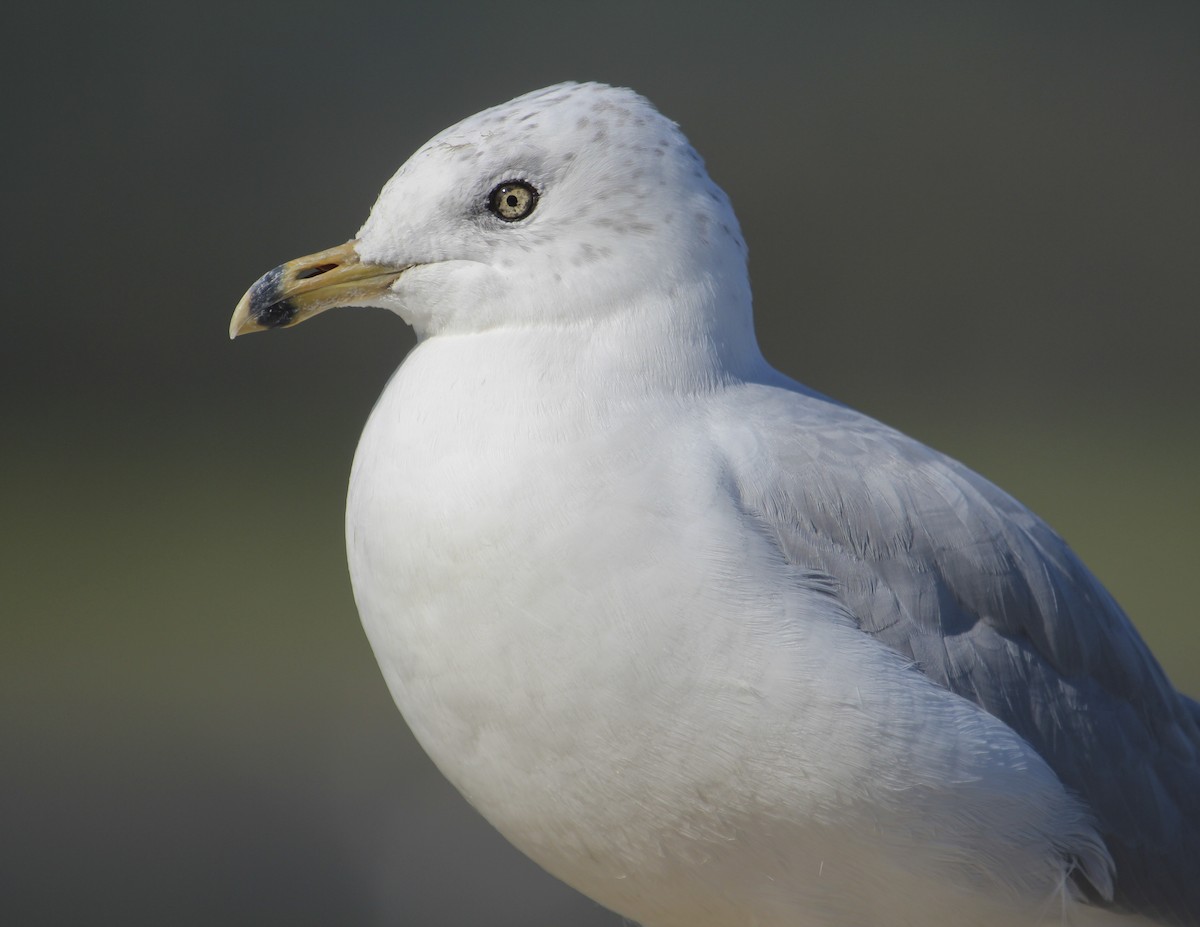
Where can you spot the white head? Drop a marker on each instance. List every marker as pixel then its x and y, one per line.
pixel 572 205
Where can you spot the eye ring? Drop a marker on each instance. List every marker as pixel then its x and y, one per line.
pixel 512 200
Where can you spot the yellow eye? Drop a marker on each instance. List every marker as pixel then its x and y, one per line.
pixel 512 200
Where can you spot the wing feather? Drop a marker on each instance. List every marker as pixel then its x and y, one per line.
pixel 989 602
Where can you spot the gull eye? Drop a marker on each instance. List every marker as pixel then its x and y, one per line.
pixel 512 200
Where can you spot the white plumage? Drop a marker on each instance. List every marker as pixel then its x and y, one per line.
pixel 712 648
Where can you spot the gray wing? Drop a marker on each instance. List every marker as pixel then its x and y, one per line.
pixel 988 601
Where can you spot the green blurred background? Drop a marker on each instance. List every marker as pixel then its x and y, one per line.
pixel 978 221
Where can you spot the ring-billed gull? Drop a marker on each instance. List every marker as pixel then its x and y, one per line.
pixel 713 648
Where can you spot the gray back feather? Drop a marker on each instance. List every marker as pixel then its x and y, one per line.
pixel 989 602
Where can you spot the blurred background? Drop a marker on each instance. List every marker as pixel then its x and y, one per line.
pixel 977 221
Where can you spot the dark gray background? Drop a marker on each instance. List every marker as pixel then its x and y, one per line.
pixel 978 221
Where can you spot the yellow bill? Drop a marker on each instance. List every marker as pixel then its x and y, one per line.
pixel 300 289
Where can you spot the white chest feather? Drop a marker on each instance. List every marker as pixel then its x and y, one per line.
pixel 616 669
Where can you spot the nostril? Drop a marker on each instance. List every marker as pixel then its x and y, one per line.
pixel 314 271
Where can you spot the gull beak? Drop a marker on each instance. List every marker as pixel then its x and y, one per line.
pixel 299 289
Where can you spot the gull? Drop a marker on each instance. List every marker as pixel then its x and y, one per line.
pixel 709 646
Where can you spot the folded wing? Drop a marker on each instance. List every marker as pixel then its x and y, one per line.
pixel 989 602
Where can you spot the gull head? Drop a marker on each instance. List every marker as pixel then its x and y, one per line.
pixel 576 204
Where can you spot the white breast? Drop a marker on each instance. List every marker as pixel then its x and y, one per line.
pixel 673 724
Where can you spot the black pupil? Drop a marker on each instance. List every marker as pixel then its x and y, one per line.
pixel 512 200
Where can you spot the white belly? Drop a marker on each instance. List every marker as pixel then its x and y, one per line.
pixel 669 723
